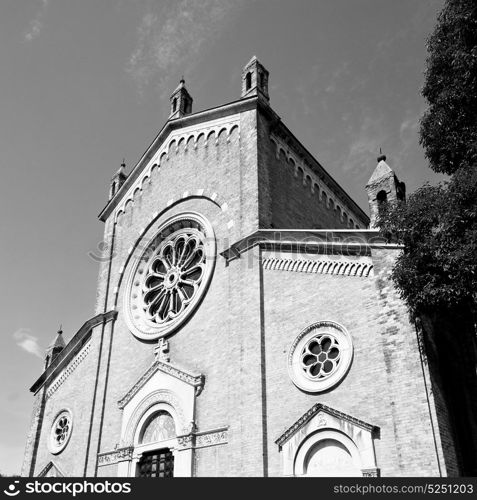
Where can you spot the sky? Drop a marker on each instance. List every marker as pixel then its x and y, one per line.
pixel 85 84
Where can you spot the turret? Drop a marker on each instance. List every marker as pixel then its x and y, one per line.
pixel 55 348
pixel 118 179
pixel 383 187
pixel 255 79
pixel 181 101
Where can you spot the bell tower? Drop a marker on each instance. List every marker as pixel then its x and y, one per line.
pixel 255 79
pixel 118 179
pixel 181 101
pixel 383 187
pixel 55 348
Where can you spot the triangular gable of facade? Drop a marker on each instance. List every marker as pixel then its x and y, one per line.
pixel 195 380
pixel 51 470
pixel 322 411
pixel 214 119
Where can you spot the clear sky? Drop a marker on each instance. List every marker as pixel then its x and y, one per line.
pixel 85 83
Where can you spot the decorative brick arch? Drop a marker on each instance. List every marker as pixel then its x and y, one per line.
pixel 211 134
pixel 310 179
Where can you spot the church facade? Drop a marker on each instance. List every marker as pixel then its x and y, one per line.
pixel 245 320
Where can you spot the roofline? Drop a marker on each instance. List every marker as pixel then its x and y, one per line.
pixel 315 410
pixel 338 190
pixel 334 241
pixel 240 105
pixel 230 108
pixel 71 349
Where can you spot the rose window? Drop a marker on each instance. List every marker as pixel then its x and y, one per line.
pixel 171 276
pixel 320 356
pixel 60 432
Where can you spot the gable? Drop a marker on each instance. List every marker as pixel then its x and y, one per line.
pixel 211 123
pixel 51 470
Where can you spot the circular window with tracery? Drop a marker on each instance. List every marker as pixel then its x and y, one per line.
pixel 170 277
pixel 60 432
pixel 320 356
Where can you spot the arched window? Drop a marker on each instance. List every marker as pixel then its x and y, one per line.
pixel 401 191
pixel 188 107
pixel 159 427
pixel 174 105
pixel 248 81
pixel 382 197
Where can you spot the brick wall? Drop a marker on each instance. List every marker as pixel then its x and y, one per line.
pixel 76 394
pixel 219 340
pixel 287 197
pixel 384 386
pixel 240 335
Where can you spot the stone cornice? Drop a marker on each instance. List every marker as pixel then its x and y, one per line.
pixel 71 349
pixel 191 440
pixel 213 437
pixel 115 456
pixel 314 410
pixel 317 241
pixel 195 380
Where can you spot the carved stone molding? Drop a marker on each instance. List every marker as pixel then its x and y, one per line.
pixel 203 439
pixel 335 267
pixel 321 410
pixel 186 442
pixel 212 438
pixel 161 396
pixel 373 472
pixel 115 456
pixel 195 380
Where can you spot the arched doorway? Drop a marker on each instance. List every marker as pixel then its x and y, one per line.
pixel 328 453
pixel 330 458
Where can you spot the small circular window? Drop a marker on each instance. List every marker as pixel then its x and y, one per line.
pixel 170 278
pixel 320 356
pixel 60 432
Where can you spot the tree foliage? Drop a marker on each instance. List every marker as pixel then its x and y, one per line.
pixel 437 226
pixel 448 128
pixel 438 229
